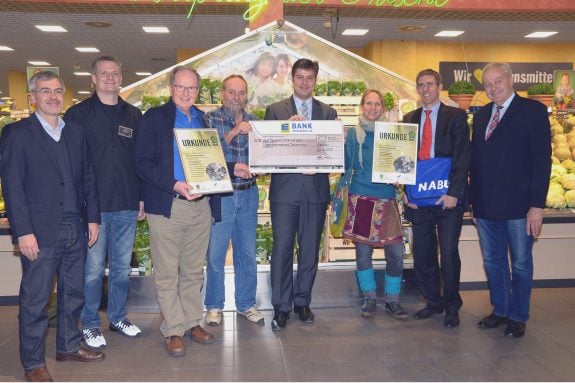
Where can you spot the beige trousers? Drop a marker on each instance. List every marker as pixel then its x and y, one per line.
pixel 179 245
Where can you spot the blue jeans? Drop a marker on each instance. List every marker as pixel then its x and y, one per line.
pixel 239 221
pixel 64 258
pixel 116 239
pixel 509 291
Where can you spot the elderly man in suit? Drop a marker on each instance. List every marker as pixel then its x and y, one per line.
pixel 443 133
pixel 298 203
pixel 52 201
pixel 510 168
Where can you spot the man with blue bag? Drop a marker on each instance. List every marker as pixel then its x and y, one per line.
pixel 435 205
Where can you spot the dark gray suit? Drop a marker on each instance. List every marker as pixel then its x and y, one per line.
pixel 451 140
pixel 298 204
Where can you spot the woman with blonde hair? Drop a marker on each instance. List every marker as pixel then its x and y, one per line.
pixel 373 219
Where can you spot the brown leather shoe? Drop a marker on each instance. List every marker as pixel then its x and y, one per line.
pixel 39 374
pixel 175 345
pixel 82 355
pixel 200 335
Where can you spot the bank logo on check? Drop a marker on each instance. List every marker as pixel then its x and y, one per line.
pixel 285 127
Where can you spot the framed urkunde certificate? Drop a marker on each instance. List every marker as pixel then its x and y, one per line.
pixel 394 153
pixel 203 160
pixel 296 147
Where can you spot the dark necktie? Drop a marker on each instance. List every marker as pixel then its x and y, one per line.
pixel 425 147
pixel 493 123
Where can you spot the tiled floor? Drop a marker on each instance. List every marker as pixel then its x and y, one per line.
pixel 340 346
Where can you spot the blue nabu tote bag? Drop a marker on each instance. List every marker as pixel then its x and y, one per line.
pixel 431 182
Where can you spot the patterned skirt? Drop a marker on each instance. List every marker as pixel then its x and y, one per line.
pixel 372 221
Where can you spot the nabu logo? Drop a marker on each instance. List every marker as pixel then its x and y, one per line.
pixel 433 185
pixel 285 127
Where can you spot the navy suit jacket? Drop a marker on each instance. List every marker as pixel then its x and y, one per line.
pixel 33 185
pixel 451 140
pixel 287 188
pixel 510 172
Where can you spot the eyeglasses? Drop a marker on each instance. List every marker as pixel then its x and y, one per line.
pixel 184 89
pixel 48 91
pixel 426 85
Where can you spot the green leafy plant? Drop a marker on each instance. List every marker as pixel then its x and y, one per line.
pixel 264 242
pixel 389 100
pixel 358 88
pixel 152 101
pixel 543 88
pixel 321 89
pixel 259 113
pixel 142 247
pixel 461 87
pixel 334 88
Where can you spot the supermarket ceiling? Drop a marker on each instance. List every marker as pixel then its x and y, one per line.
pixel 115 28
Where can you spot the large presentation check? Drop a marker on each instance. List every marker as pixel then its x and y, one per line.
pixel 203 160
pixel 296 147
pixel 394 153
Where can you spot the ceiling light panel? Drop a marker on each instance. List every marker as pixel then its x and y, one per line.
pixel 156 29
pixel 38 63
pixel 87 49
pixel 449 33
pixel 82 73
pixel 143 73
pixel 540 35
pixel 51 28
pixel 354 32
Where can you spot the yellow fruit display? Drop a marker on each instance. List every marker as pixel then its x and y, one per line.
pixel 558 138
pixel 562 153
pixel 556 129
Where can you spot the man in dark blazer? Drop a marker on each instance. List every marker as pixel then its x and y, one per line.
pixel 510 168
pixel 52 202
pixel 448 137
pixel 298 203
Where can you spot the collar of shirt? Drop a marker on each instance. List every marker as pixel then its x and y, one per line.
pixel 182 120
pixel 505 107
pixel 54 133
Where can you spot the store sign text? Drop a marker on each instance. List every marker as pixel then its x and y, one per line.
pixel 256 7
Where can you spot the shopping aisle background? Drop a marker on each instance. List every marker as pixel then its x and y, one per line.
pixel 340 346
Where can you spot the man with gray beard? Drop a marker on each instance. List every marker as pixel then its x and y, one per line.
pixel 238 209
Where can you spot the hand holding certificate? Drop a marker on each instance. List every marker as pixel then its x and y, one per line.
pixel 394 153
pixel 296 147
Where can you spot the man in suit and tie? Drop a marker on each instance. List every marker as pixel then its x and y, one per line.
pixel 443 132
pixel 298 203
pixel 52 202
pixel 510 168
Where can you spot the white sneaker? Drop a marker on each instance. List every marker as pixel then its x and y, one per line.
pixel 214 317
pixel 126 327
pixel 93 338
pixel 252 315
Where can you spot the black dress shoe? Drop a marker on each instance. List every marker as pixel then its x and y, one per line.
pixel 515 329
pixel 279 321
pixel 451 319
pixel 427 312
pixel 491 321
pixel 305 314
